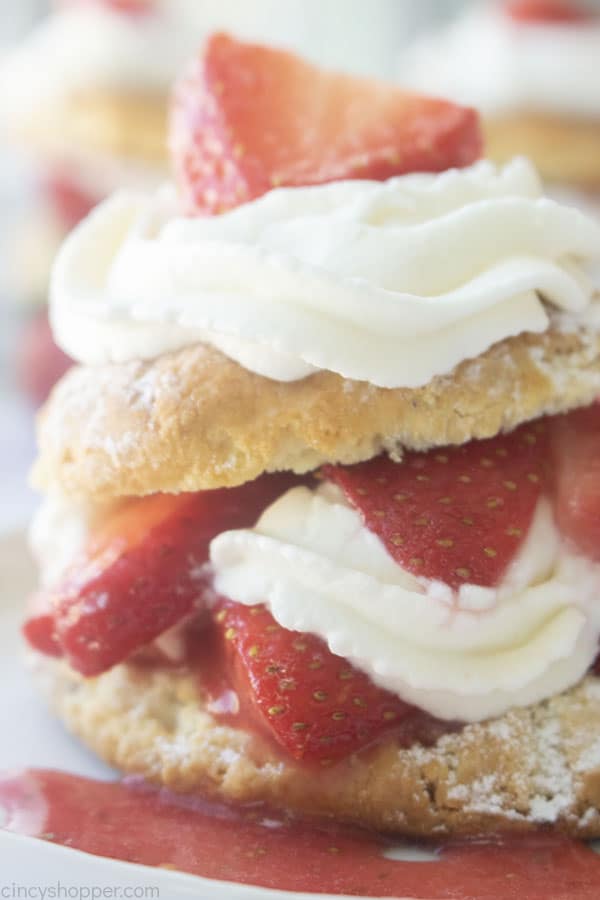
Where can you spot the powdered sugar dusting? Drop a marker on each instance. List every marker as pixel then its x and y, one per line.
pixel 589 760
pixel 553 782
pixel 534 778
pixel 91 405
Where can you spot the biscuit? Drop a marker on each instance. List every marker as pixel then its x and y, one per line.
pixel 97 123
pixel 531 767
pixel 563 150
pixel 195 420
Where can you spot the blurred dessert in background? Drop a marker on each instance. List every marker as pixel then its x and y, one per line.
pixel 532 67
pixel 86 92
pixel 39 361
pixel 85 95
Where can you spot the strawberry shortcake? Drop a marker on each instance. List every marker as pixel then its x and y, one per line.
pixel 531 67
pixel 322 510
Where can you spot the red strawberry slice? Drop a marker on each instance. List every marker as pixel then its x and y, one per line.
pixel 131 7
pixel 315 704
pixel 142 572
pixel 248 118
pixel 128 7
pixel 456 515
pixel 39 362
pixel 560 12
pixel 69 200
pixel 39 628
pixel 576 455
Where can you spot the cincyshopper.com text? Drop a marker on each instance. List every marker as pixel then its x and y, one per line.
pixel 58 891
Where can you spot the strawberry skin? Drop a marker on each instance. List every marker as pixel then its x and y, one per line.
pixel 141 575
pixel 126 7
pixel 576 457
pixel 130 7
pixel 248 118
pixel 39 362
pixel 550 12
pixel 142 572
pixel 316 705
pixel 39 629
pixel 70 202
pixel 456 515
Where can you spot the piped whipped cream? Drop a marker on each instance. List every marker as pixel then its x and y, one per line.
pixel 391 283
pixel 466 656
pixel 488 60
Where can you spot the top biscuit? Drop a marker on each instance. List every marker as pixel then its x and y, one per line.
pixel 194 420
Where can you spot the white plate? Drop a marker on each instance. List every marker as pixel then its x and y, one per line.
pixel 31 737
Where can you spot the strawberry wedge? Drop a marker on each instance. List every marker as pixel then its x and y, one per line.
pixel 141 573
pixel 248 118
pixel 576 458
pixel 457 515
pixel 316 705
pixel 125 7
pixel 548 12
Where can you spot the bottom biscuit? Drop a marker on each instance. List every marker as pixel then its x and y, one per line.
pixel 533 767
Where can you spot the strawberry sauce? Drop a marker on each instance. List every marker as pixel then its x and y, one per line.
pixel 134 822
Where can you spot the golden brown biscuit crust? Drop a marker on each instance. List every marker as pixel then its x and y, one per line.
pixel 100 123
pixel 563 149
pixel 532 767
pixel 195 420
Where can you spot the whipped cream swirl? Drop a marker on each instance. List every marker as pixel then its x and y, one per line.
pixel 488 60
pixel 391 283
pixel 466 656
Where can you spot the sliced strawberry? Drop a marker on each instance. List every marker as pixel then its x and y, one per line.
pixel 143 571
pixel 576 456
pixel 248 118
pixel 128 7
pixel 456 515
pixel 39 362
pixel 69 200
pixel 315 704
pixel 39 629
pixel 560 12
pixel 131 7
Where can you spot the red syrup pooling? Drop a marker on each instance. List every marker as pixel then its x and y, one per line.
pixel 134 822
